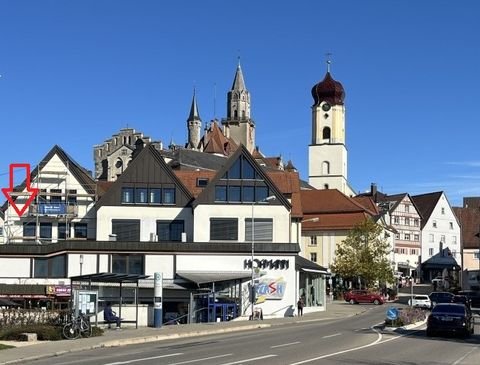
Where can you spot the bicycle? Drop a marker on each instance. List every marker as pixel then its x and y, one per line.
pixel 76 327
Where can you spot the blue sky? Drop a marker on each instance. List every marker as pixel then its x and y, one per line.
pixel 75 72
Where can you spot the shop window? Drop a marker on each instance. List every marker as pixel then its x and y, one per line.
pixel 52 267
pixel 128 264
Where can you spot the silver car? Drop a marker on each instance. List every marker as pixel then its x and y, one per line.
pixel 420 301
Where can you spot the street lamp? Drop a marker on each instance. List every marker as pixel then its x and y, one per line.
pixel 252 283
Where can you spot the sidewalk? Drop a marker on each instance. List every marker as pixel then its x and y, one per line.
pixel 128 336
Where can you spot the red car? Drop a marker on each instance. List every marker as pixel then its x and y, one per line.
pixel 363 296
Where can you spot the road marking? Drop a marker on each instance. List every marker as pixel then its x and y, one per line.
pixel 379 338
pixel 197 360
pixel 312 320
pixel 335 334
pixel 285 344
pixel 251 359
pixel 144 359
pixel 464 356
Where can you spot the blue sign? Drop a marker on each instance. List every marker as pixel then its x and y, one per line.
pixel 392 313
pixel 52 208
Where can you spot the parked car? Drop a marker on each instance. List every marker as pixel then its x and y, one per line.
pixel 363 296
pixel 474 297
pixel 438 280
pixel 450 318
pixel 420 301
pixel 440 297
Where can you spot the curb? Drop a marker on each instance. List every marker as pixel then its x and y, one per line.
pixel 138 340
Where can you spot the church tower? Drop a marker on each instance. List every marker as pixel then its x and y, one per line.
pixel 327 153
pixel 238 125
pixel 194 125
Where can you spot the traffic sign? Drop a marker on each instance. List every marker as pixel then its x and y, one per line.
pixel 392 313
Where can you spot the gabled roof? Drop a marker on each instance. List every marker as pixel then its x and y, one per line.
pixel 440 260
pixel 138 172
pixel 242 151
pixel 81 174
pixel 469 219
pixel 425 204
pixel 367 202
pixel 214 141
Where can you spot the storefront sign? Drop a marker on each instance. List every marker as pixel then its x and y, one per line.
pixel 266 264
pixel 59 290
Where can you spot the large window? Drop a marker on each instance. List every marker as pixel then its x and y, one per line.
pixel 80 230
pixel 168 195
pixel 263 229
pixel 170 230
pixel 128 264
pixel 52 267
pixel 223 229
pixel 126 229
pixel 155 196
pixel 29 229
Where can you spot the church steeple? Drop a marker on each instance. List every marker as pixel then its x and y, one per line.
pixel 238 81
pixel 194 124
pixel 238 125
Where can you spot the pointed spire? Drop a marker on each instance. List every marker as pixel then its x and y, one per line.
pixel 238 82
pixel 329 61
pixel 194 115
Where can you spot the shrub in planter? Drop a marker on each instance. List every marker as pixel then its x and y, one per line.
pixel 407 316
pixel 44 332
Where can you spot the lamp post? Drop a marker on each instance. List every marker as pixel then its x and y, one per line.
pixel 252 282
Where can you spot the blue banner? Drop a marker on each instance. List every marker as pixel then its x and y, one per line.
pixel 52 208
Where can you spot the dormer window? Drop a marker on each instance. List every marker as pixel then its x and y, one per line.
pixel 202 182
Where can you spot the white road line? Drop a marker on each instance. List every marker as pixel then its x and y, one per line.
pixel 143 359
pixel 334 335
pixel 251 359
pixel 285 344
pixel 379 338
pixel 197 360
pixel 312 320
pixel 464 356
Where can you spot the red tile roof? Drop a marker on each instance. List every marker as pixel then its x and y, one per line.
pixel 189 179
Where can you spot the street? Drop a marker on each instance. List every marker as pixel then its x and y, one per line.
pixel 353 340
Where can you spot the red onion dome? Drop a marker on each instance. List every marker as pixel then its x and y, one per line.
pixel 328 90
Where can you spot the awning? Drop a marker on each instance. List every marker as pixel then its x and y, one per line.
pixel 204 277
pixel 302 264
pixel 8 303
pixel 325 272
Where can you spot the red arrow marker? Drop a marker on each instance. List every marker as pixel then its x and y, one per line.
pixel 31 192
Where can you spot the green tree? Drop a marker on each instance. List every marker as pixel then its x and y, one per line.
pixel 364 254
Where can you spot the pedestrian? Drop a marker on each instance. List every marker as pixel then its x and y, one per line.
pixel 300 305
pixel 110 316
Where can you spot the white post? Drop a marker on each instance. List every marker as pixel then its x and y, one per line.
pixel 252 284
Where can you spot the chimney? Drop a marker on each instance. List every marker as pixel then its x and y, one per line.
pixel 373 189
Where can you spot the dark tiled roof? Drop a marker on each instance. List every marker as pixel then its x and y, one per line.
pixel 425 204
pixel 184 159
